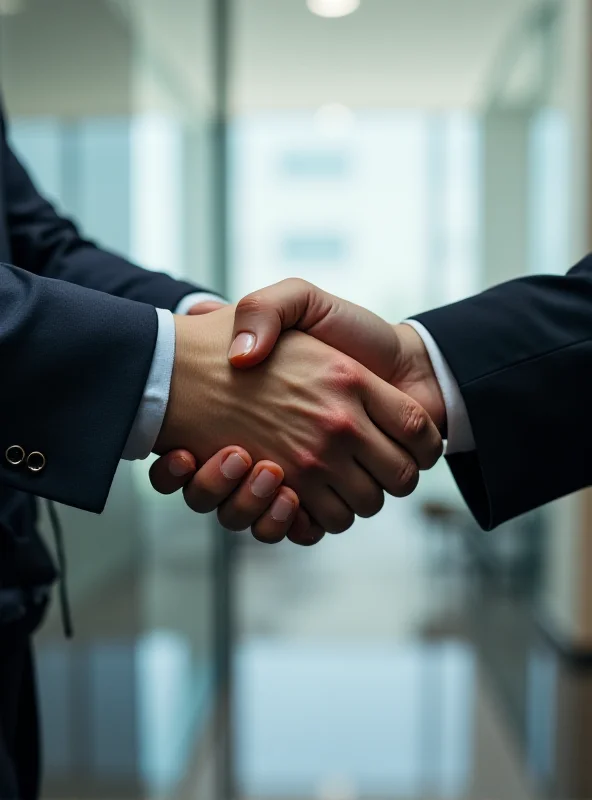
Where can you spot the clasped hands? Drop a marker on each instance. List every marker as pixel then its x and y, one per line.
pixel 317 409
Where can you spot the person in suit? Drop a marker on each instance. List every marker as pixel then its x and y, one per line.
pixel 505 376
pixel 97 368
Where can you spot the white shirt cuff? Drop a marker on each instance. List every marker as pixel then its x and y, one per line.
pixel 152 408
pixel 194 299
pixel 460 433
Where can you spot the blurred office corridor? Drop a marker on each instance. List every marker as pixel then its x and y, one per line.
pixel 404 155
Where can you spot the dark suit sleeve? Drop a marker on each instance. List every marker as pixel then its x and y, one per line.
pixel 522 355
pixel 74 363
pixel 47 244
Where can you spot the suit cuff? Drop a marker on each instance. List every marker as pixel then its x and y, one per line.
pixel 460 433
pixel 150 414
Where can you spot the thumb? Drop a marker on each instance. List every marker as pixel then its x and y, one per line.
pixel 260 318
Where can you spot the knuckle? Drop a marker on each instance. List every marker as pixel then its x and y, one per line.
pixel 339 423
pixel 414 419
pixel 343 373
pixel 252 303
pixel 407 479
pixel 307 461
pixel 296 284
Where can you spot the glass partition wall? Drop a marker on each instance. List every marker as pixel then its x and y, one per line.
pixel 536 219
pixel 536 211
pixel 113 106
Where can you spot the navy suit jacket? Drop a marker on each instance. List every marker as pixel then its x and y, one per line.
pixel 77 332
pixel 522 355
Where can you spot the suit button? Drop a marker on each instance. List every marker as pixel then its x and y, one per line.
pixel 15 455
pixel 35 461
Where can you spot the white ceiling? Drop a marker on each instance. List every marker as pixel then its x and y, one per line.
pixel 428 53
pixel 73 56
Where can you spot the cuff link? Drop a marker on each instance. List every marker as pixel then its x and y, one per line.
pixel 35 461
pixel 15 455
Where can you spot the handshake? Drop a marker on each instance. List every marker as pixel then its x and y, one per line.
pixel 331 404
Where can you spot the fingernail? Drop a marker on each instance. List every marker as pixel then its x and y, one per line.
pixel 242 345
pixel 233 467
pixel 282 509
pixel 265 483
pixel 178 467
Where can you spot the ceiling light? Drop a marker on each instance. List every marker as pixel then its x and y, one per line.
pixel 333 8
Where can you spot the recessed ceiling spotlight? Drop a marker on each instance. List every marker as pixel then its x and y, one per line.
pixel 333 8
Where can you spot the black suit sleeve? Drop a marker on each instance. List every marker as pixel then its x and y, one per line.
pixel 47 244
pixel 75 350
pixel 522 355
pixel 74 363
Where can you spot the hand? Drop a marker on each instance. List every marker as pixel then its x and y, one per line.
pixel 218 485
pixel 230 483
pixel 396 353
pixel 317 413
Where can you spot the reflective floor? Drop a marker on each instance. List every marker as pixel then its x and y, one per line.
pixel 357 676
pixel 380 665
pixel 128 706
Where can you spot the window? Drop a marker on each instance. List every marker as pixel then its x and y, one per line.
pixel 314 164
pixel 314 247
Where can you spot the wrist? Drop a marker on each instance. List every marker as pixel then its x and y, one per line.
pixel 416 377
pixel 202 387
pixel 173 425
